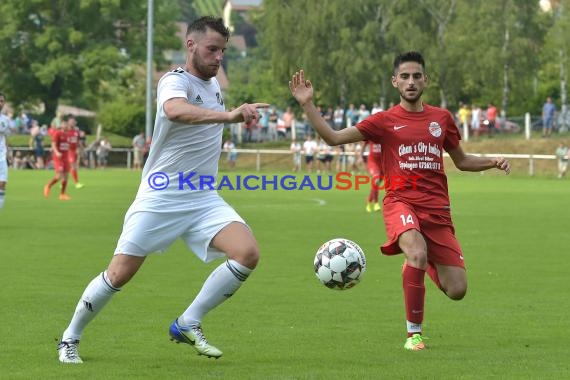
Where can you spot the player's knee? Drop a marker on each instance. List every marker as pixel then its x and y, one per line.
pixel 120 275
pixel 456 292
pixel 118 278
pixel 246 254
pixel 417 257
pixel 414 247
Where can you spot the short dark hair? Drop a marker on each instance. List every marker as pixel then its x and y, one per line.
pixel 214 23
pixel 409 56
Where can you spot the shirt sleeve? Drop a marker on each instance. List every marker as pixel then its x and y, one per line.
pixel 452 135
pixel 172 85
pixel 371 127
pixel 5 127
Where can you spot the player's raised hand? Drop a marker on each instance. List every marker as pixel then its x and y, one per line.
pixel 301 88
pixel 247 112
pixel 502 163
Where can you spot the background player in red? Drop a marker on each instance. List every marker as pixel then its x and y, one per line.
pixel 374 165
pixel 73 137
pixel 417 215
pixel 60 156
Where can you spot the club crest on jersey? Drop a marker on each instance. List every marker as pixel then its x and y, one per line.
pixel 220 100
pixel 434 129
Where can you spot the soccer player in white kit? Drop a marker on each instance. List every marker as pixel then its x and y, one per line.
pixel 5 129
pixel 171 203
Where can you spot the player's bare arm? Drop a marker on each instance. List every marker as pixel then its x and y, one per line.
pixel 179 110
pixel 471 163
pixel 302 90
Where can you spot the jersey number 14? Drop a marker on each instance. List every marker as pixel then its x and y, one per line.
pixel 406 219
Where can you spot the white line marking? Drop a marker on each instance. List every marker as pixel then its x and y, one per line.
pixel 321 202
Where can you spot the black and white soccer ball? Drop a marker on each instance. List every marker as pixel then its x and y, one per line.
pixel 340 264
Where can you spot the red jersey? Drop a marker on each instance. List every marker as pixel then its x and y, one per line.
pixel 374 151
pixel 412 150
pixel 51 131
pixel 73 138
pixel 61 140
pixel 374 161
pixel 492 113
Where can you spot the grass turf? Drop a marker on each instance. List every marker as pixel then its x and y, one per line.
pixel 283 324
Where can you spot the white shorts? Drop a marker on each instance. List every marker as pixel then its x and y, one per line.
pixel 145 231
pixel 3 171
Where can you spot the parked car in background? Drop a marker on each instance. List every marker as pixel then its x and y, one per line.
pixel 501 126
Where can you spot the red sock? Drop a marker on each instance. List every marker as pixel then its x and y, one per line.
pixel 74 175
pixel 52 182
pixel 414 293
pixel 432 273
pixel 63 186
pixel 373 195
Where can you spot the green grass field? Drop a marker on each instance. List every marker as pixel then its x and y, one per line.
pixel 283 324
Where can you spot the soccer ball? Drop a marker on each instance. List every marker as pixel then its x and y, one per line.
pixel 339 264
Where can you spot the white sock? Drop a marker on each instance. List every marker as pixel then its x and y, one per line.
pixel 222 283
pixel 413 328
pixel 1 199
pixel 94 298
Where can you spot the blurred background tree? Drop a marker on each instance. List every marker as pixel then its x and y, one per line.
pixel 54 50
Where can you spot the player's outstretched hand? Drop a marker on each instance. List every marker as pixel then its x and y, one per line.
pixel 246 112
pixel 502 163
pixel 301 88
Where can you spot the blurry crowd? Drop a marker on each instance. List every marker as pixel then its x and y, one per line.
pixel 276 125
pixel 475 119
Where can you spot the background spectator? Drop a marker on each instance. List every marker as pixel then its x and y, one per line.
pixel 562 154
pixel 231 153
pixel 103 153
pixel 548 112
pixel 138 150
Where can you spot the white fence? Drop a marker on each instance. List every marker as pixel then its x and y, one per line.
pixel 125 155
pixel 530 157
pixel 259 153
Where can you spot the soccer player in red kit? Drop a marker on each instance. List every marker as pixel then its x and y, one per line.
pixel 374 165
pixel 73 134
pixel 60 156
pixel 417 212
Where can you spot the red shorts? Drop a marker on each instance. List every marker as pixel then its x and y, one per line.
pixel 72 156
pixel 435 226
pixel 61 164
pixel 373 167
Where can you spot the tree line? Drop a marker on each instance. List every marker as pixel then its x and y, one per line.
pixel 91 53
pixel 508 52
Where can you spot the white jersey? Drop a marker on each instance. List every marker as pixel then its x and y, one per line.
pixel 184 156
pixel 309 147
pixel 5 129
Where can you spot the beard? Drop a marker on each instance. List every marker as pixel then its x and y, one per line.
pixel 411 99
pixel 205 70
